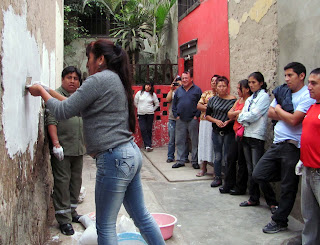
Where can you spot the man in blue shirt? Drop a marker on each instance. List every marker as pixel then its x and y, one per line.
pixel 278 163
pixel 184 108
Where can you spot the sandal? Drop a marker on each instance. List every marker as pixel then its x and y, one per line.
pixel 249 203
pixel 201 173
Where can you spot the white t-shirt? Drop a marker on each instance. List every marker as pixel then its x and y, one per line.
pixel 301 102
pixel 146 103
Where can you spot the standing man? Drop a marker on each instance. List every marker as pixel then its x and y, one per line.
pixel 66 156
pixel 278 163
pixel 172 120
pixel 187 115
pixel 310 156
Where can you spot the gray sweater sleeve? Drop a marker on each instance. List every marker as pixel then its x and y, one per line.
pixel 103 105
pixel 77 102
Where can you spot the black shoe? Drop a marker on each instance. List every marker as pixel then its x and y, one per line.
pixel 178 165
pixel 216 182
pixel 170 160
pixel 249 203
pixel 75 219
pixel 224 190
pixel 187 161
pixel 67 229
pixel 273 209
pixel 236 192
pixel 273 227
pixel 196 166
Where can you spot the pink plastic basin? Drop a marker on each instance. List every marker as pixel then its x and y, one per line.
pixel 166 223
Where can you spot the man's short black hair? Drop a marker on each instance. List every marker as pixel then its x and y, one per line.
pixel 296 67
pixel 315 71
pixel 71 69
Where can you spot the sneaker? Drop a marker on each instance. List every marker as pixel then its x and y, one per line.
pixel 273 209
pixel 148 149
pixel 170 160
pixel 273 227
pixel 216 182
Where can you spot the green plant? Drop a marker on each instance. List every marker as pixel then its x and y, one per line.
pixel 72 29
pixel 140 20
pixel 132 28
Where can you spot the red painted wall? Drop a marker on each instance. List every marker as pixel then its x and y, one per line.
pixel 160 135
pixel 209 24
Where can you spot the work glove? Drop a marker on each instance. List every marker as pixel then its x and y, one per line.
pixel 41 84
pixel 58 153
pixel 299 167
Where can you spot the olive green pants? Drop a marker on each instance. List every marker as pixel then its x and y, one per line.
pixel 67 176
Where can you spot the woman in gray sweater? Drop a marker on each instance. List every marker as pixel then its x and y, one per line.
pixel 105 102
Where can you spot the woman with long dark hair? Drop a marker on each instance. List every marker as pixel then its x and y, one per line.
pixel 146 102
pixel 105 102
pixel 254 117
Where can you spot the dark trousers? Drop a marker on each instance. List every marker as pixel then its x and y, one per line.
pixel 145 124
pixel 253 151
pixel 67 176
pixel 278 164
pixel 236 155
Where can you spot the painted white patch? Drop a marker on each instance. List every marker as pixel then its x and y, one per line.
pixel 52 79
pixel 20 59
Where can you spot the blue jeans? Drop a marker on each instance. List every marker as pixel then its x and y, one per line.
pixel 220 142
pixel 310 205
pixel 118 181
pixel 172 139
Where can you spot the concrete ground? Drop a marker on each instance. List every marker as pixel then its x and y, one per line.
pixel 204 215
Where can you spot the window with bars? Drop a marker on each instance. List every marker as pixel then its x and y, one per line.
pixel 186 6
pixel 96 20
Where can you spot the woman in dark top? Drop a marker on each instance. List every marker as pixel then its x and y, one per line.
pixel 222 132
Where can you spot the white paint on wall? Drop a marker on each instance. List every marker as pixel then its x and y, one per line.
pixel 59 43
pixel 21 58
pixel 52 79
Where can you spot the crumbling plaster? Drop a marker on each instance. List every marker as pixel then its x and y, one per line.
pixel 253 40
pixel 27 47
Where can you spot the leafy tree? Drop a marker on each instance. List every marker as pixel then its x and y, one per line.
pixel 72 29
pixel 132 28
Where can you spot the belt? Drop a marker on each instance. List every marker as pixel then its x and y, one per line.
pixel 294 142
pixel 314 170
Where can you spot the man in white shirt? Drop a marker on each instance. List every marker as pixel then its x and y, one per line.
pixel 278 163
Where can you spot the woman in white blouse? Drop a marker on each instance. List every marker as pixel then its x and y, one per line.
pixel 146 102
